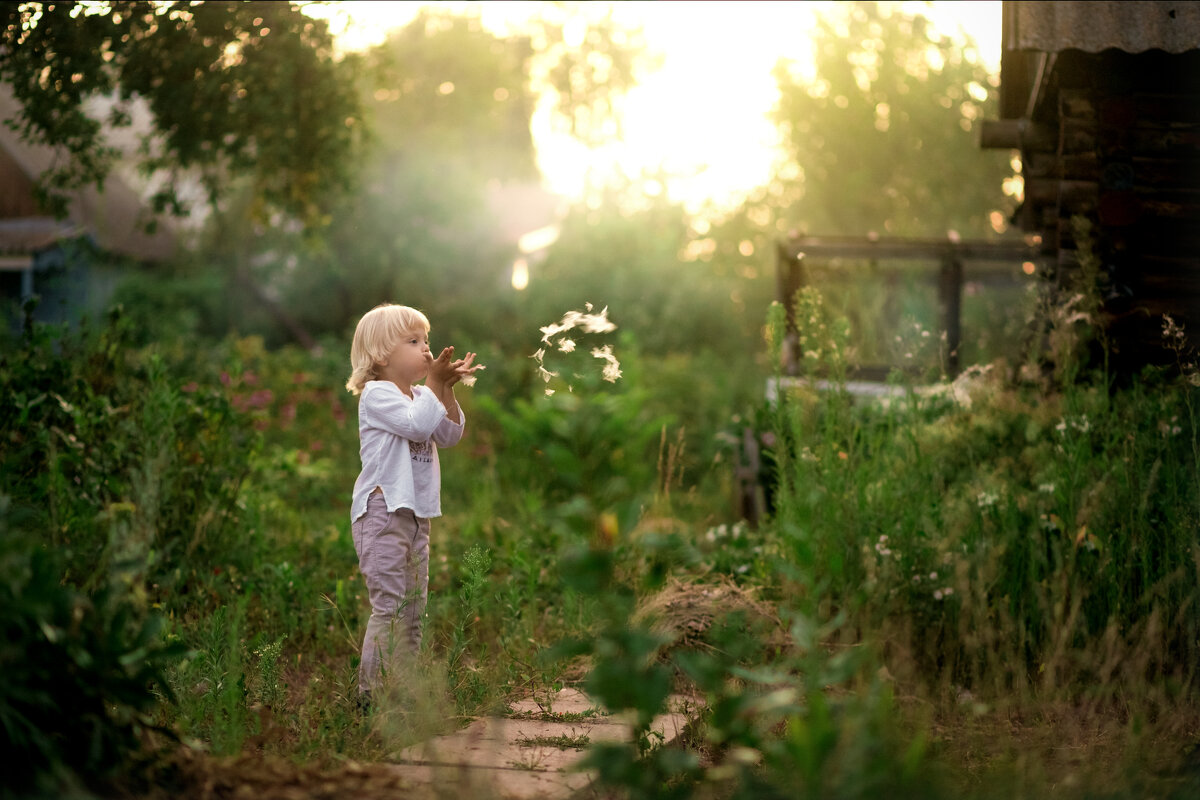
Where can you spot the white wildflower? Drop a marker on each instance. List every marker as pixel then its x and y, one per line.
pixel 566 346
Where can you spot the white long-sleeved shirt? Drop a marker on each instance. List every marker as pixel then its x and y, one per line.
pixel 398 441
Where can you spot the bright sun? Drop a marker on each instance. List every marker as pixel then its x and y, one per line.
pixel 701 118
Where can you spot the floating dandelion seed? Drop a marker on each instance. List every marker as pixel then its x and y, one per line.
pixel 612 369
pixel 469 380
pixel 587 321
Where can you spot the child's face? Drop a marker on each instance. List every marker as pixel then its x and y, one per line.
pixel 409 360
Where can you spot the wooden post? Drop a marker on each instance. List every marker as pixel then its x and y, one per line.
pixel 789 278
pixel 950 303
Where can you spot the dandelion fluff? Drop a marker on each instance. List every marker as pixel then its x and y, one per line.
pixel 588 321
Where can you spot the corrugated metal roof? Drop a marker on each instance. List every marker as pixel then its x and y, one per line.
pixel 1094 26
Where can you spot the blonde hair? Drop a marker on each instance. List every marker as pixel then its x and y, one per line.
pixel 376 337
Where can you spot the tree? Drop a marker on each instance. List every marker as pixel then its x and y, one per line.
pixel 448 105
pixel 234 89
pixel 881 137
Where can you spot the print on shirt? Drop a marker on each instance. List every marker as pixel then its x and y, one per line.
pixel 421 451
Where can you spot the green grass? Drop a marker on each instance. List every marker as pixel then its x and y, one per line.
pixel 989 591
pixel 562 742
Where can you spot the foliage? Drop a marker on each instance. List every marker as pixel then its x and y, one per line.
pixel 586 63
pixel 447 182
pixel 881 139
pixel 778 728
pixel 120 487
pixel 585 448
pixel 241 89
pixel 82 671
pixel 1019 537
pixel 124 471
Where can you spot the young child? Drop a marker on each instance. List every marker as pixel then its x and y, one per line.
pixel 400 427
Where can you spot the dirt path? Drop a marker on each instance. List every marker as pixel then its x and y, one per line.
pixel 532 754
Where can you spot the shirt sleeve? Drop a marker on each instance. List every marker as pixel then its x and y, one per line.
pixel 449 432
pixel 392 410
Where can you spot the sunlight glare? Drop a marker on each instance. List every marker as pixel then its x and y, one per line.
pixel 700 123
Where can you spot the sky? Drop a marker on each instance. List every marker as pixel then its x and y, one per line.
pixel 711 54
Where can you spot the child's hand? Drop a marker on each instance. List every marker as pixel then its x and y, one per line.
pixel 447 371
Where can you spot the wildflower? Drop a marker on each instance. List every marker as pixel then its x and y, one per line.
pixel 1046 488
pixel 546 374
pixel 933 576
pixel 566 346
pixel 1172 330
pixel 986 499
pixel 1079 423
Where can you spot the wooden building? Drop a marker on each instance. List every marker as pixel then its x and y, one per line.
pixel 1102 100
pixel 68 263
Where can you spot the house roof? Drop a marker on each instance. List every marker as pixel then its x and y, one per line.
pixel 115 216
pixel 24 235
pixel 1051 27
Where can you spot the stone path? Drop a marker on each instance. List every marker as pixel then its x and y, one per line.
pixel 532 754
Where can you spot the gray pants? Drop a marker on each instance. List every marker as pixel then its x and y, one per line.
pixel 393 556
